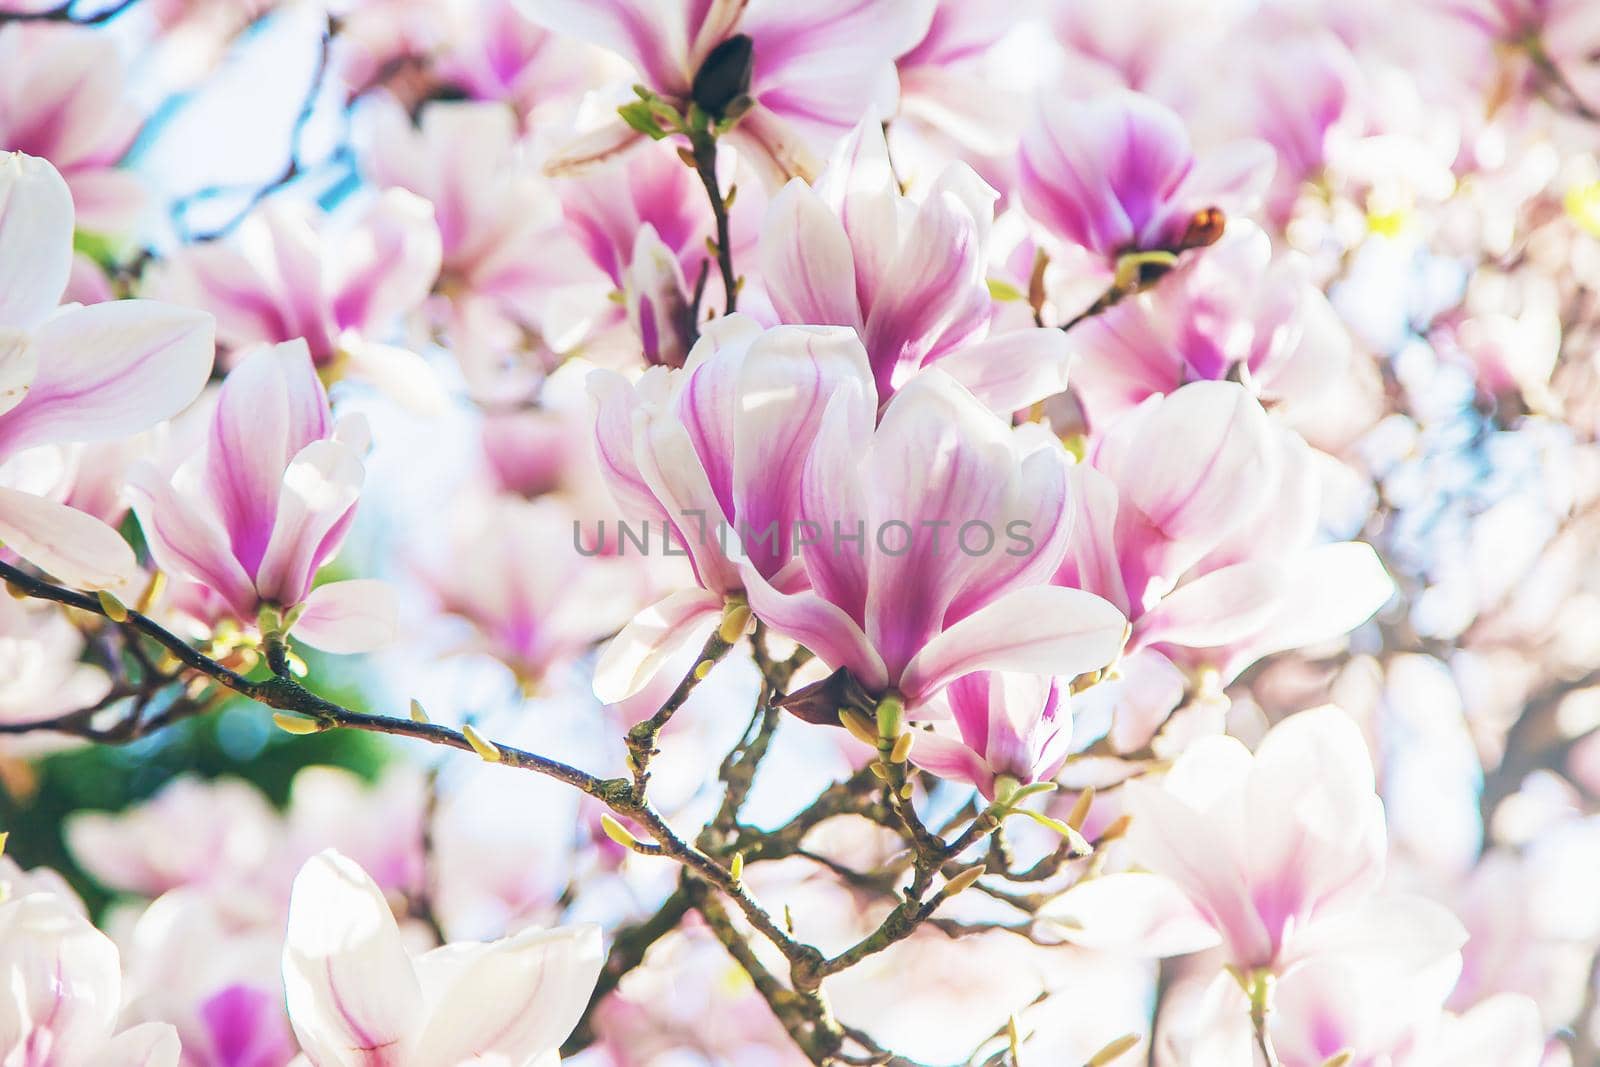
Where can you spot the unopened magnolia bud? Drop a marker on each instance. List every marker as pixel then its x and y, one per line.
pixel 16 591
pixel 114 609
pixel 617 832
pixel 702 669
pixel 295 724
pixel 724 76
pixel 1113 1050
pixel 907 791
pixel 963 881
pixel 487 750
pixel 1339 1059
pixel 1080 808
pixel 736 867
pixel 417 713
pixel 858 726
pixel 902 747
pixel 878 770
pixel 735 619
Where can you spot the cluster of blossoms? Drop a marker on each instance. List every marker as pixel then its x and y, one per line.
pixel 1055 535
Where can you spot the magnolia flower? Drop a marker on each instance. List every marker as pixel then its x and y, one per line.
pixel 943 83
pixel 356 996
pixel 911 278
pixel 715 452
pixel 267 503
pixel 75 374
pixel 809 72
pixel 1198 519
pixel 498 53
pixel 1013 726
pixel 64 97
pixel 42 674
pixel 532 616
pixel 1116 175
pixel 283 277
pixel 928 538
pixel 62 982
pixel 1229 312
pixel 508 262
pixel 1276 856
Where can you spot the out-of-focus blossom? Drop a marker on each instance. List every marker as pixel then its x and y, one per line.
pixel 41 675
pixel 1198 518
pixel 1012 726
pixel 1232 311
pixel 910 278
pixel 1563 34
pixel 64 97
pixel 75 374
pixel 284 276
pixel 63 982
pixel 810 73
pixel 508 269
pixel 255 516
pixel 499 53
pixel 956 517
pixel 1117 175
pixel 189 834
pixel 1276 855
pixel 715 453
pixel 196 960
pixel 943 85
pixel 353 988
pixel 533 617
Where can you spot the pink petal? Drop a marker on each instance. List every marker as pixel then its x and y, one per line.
pixel 35 240
pixel 820 626
pixel 76 548
pixel 186 540
pixel 270 406
pixel 388 263
pixel 1214 608
pixel 952 760
pixel 1142 914
pixel 513 1001
pixel 352 993
pixel 111 370
pixel 315 506
pixel 657 634
pixel 346 617
pixel 787 381
pixel 1038 630
pixel 806 260
pixel 1013 370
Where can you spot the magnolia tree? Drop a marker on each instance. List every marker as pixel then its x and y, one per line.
pixel 901 533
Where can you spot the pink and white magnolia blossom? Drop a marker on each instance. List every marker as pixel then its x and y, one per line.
pixel 1198 518
pixel 62 992
pixel 715 452
pixel 1276 856
pixel 344 292
pixel 75 373
pixel 267 503
pixel 508 264
pixel 958 520
pixel 64 97
pixel 1117 175
pixel 533 617
pixel 1012 726
pixel 813 70
pixel 911 278
pixel 1231 311
pixel 357 996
